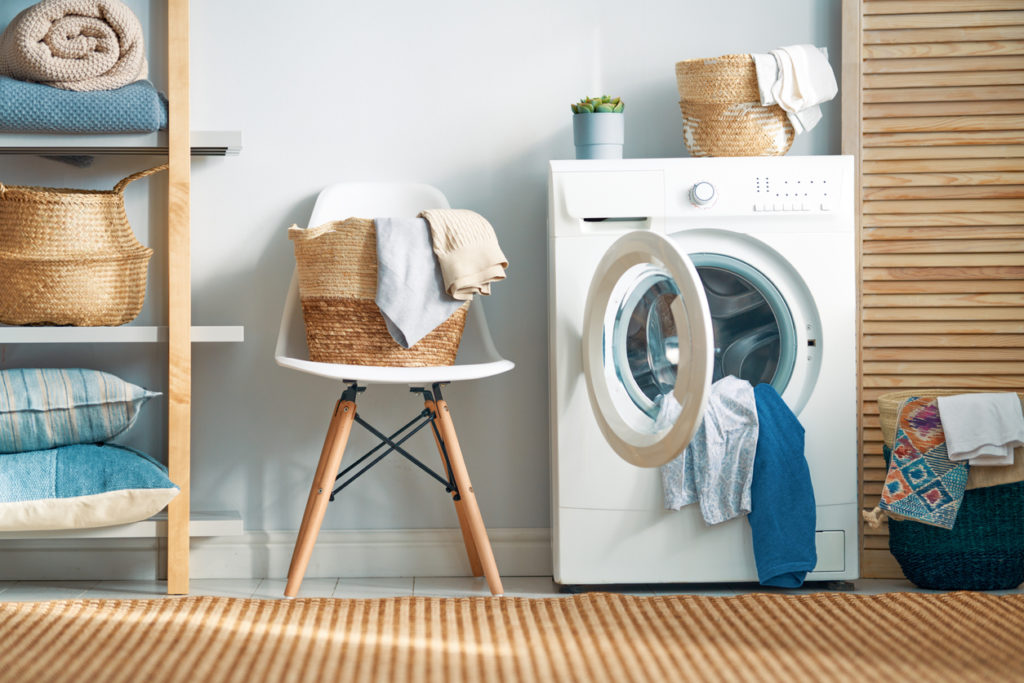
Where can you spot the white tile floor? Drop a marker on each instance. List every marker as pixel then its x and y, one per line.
pixel 515 586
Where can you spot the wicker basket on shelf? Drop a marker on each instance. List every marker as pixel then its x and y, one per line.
pixel 722 111
pixel 337 268
pixel 69 257
pixel 985 548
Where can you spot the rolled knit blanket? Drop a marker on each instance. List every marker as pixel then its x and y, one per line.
pixel 74 45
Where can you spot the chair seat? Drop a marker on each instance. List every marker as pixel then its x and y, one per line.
pixel 373 374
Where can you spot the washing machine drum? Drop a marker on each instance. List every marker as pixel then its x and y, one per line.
pixel 661 325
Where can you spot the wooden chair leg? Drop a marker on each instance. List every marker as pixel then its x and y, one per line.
pixel 320 466
pixel 320 493
pixel 469 505
pixel 467 535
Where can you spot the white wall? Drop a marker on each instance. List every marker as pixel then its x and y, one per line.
pixel 472 97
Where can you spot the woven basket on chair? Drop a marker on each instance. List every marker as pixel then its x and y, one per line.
pixel 69 257
pixel 337 266
pixel 722 111
pixel 985 548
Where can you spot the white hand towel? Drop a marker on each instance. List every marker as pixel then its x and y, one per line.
pixel 982 429
pixel 800 80
pixel 767 69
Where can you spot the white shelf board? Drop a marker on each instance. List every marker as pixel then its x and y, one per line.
pixel 200 524
pixel 204 143
pixel 125 334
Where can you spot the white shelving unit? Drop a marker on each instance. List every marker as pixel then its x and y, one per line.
pixel 126 334
pixel 201 524
pixel 204 143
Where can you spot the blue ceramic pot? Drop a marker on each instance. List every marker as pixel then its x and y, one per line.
pixel 599 135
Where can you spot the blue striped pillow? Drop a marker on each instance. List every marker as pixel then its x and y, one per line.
pixel 47 408
pixel 79 487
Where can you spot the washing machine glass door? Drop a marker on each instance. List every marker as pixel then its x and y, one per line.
pixel 647 348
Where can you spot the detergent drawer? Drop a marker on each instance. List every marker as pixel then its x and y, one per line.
pixel 579 198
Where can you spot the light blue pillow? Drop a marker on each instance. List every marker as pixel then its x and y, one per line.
pixel 80 486
pixel 46 408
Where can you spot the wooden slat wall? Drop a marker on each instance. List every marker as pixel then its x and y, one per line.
pixel 934 111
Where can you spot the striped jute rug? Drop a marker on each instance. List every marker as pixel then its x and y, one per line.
pixel 593 637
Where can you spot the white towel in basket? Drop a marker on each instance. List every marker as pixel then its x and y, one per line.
pixel 410 289
pixel 798 78
pixel 982 429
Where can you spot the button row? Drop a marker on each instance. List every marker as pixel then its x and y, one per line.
pixel 790 206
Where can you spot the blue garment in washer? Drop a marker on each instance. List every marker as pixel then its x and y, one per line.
pixel 783 514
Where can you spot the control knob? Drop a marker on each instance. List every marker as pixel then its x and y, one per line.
pixel 703 194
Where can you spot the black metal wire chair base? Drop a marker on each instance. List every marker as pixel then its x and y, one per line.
pixel 407 431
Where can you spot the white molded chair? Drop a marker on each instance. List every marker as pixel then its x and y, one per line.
pixel 476 358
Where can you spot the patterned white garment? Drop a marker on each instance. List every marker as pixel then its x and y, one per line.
pixel 716 468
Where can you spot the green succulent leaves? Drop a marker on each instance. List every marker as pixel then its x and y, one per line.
pixel 598 105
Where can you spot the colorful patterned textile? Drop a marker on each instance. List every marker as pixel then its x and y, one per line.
pixel 923 484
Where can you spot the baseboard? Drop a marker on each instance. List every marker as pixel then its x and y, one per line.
pixel 266 554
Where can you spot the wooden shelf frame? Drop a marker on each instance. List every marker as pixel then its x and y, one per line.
pixel 179 296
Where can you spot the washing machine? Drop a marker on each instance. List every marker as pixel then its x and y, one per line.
pixel 665 275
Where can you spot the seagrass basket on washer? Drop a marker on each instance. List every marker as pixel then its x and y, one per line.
pixel 722 111
pixel 337 267
pixel 69 257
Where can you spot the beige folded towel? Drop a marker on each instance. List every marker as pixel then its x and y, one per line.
pixel 467 250
pixel 74 45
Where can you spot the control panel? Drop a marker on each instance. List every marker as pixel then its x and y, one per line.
pixel 811 192
pixel 794 193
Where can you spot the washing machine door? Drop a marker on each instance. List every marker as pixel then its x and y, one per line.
pixel 647 348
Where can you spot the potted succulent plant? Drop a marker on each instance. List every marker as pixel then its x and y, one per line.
pixel 598 127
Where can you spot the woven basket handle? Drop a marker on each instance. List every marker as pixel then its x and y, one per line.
pixel 119 188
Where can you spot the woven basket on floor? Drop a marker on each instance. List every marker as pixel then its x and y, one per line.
pixel 337 266
pixel 722 111
pixel 985 548
pixel 69 257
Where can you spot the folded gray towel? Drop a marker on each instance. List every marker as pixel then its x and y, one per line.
pixel 410 288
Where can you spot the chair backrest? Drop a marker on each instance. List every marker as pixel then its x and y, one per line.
pixel 372 200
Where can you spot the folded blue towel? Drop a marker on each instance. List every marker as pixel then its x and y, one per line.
pixel 782 515
pixel 35 108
